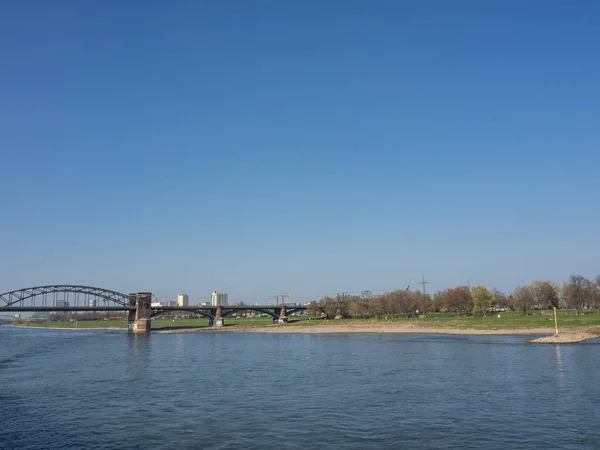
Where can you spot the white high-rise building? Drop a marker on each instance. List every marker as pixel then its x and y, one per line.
pixel 219 299
pixel 182 300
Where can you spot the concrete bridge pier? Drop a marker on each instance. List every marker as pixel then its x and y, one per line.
pixel 281 315
pixel 130 319
pixel 141 322
pixel 218 321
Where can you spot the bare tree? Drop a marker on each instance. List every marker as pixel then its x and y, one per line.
pixel 577 292
pixel 329 307
pixel 524 298
pixel 596 293
pixel 342 304
pixel 501 301
pixel 402 302
pixel 545 294
pixel 457 300
pixel 357 306
pixel 313 309
pixel 423 302
pixel 377 306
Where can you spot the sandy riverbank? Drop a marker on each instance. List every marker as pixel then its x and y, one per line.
pixel 565 338
pixel 396 327
pixel 570 336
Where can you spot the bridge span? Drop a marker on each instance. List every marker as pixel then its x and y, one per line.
pixel 75 298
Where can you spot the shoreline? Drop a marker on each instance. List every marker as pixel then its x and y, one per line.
pixel 65 328
pixel 361 328
pixel 398 328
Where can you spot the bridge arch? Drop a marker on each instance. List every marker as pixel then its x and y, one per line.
pixel 41 295
pixel 228 312
pixel 159 312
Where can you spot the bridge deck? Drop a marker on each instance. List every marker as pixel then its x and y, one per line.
pixel 125 308
pixel 235 308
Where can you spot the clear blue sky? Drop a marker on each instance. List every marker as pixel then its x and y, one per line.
pixel 303 147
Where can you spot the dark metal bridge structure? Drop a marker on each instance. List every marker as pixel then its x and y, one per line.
pixel 72 298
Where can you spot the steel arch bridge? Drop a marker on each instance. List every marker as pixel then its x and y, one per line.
pixel 73 297
pixel 227 311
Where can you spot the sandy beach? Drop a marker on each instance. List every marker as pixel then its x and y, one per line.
pixel 395 327
pixel 545 334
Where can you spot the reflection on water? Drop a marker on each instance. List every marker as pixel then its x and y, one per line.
pixel 99 390
pixel 559 365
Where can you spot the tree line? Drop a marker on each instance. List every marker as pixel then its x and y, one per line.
pixel 578 292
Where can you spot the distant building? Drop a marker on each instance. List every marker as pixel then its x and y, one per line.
pixel 62 304
pixel 155 305
pixel 219 299
pixel 93 303
pixel 204 304
pixel 165 304
pixel 182 300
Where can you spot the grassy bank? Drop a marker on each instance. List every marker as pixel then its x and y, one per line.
pixel 567 320
pixel 514 319
pixel 157 324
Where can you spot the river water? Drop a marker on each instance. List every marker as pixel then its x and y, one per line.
pixel 110 389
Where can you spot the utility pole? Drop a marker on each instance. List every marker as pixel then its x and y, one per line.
pixel 424 283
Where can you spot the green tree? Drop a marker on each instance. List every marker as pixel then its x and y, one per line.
pixel 482 300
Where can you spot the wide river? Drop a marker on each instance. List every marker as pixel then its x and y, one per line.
pixel 109 390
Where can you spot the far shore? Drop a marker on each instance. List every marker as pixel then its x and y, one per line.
pixel 65 328
pixel 356 327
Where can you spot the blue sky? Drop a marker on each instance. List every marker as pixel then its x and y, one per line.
pixel 314 147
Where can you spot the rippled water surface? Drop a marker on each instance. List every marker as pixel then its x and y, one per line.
pixel 109 389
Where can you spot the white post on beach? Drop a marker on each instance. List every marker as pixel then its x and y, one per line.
pixel 555 322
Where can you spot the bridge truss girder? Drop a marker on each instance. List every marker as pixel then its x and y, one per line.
pixel 48 294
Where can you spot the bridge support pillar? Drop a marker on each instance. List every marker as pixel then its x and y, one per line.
pixel 219 322
pixel 130 319
pixel 142 322
pixel 282 315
